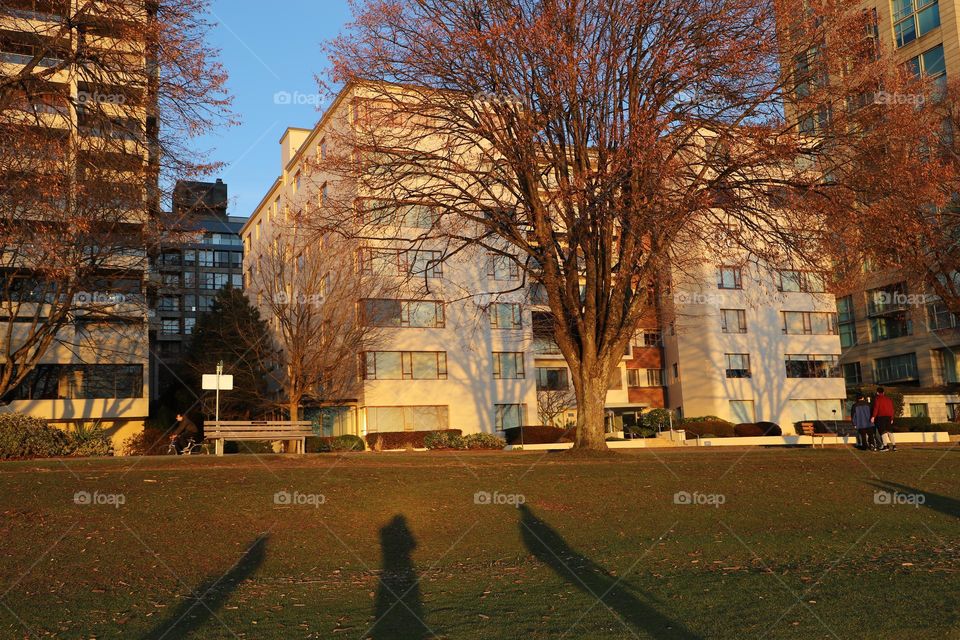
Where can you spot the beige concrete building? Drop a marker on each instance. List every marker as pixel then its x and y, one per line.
pixel 466 351
pixel 96 371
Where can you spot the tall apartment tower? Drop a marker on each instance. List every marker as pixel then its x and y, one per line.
pixel 893 332
pixel 476 353
pixel 95 371
pixel 204 255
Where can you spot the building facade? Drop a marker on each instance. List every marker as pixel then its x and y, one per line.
pixel 204 255
pixel 893 332
pixel 95 372
pixel 472 349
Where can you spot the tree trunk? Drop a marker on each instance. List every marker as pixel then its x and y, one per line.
pixel 591 391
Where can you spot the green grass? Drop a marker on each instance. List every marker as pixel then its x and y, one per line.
pixel 200 549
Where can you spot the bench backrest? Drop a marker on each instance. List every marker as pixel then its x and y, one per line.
pixel 299 428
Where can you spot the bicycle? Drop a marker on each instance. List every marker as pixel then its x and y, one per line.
pixel 188 449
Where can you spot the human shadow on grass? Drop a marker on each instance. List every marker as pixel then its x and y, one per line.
pixel 943 504
pixel 211 595
pixel 398 610
pixel 549 547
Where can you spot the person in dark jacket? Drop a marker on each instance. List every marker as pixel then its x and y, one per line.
pixel 883 420
pixel 183 432
pixel 862 419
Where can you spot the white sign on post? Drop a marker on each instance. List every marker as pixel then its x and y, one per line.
pixel 210 382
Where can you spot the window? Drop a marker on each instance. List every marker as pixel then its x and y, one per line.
pixel 846 322
pixel 738 365
pixel 322 149
pixel 616 379
pixel 189 279
pixel 953 411
pixel 170 327
pixel 170 279
pixel 205 258
pixel 896 325
pixel 919 410
pixel 552 379
pixel 506 316
pixel 930 64
pixel 730 278
pixel 809 323
pixel 538 294
pixel 422 314
pixel 733 320
pixel 789 280
pixel 413 418
pixel 188 326
pixel 742 411
pixel 509 416
pixel 900 368
pixel 296 183
pixel 812 366
pixel 644 377
pixel 676 371
pixel 168 303
pixel 939 317
pixel 652 338
pixel 945 366
pixel 405 365
pixel 852 375
pixel 501 267
pixel 190 257
pixel 913 19
pixel 507 365
pixel 84 382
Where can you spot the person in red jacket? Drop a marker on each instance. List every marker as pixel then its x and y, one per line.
pixel 883 420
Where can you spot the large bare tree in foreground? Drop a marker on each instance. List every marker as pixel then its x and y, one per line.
pixel 83 166
pixel 595 142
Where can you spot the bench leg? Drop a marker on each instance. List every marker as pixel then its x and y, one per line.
pixel 219 447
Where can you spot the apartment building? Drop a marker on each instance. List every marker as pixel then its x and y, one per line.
pixel 203 255
pixel 465 343
pixel 95 372
pixel 752 343
pixel 893 332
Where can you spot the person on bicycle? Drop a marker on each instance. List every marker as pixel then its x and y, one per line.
pixel 185 431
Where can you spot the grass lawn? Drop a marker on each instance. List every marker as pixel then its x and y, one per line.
pixel 396 546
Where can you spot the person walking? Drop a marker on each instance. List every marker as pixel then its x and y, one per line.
pixel 883 420
pixel 861 416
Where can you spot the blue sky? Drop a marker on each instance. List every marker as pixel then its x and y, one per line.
pixel 267 49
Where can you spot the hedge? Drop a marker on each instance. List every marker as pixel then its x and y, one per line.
pixel 483 441
pixel 28 437
pixel 709 428
pixel 757 429
pixel 539 434
pixel 327 444
pixel 953 428
pixel 403 439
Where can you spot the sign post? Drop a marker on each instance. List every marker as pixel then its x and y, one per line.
pixel 217 381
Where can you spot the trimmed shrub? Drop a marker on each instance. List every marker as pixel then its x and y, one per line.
pixel 444 440
pixel 149 442
pixel 658 417
pixel 90 442
pixel 748 430
pixel 953 428
pixel 539 434
pixel 906 425
pixel 347 443
pixel 26 437
pixel 483 441
pixel 640 432
pixel 709 428
pixel 403 439
pixel 697 419
pixel 770 428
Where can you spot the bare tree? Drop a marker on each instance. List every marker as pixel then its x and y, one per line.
pixel 95 116
pixel 552 404
pixel 595 143
pixel 309 301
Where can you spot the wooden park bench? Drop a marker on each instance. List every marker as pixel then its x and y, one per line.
pixel 225 430
pixel 841 430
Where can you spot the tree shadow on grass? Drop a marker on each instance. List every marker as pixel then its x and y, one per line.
pixel 550 548
pixel 398 609
pixel 943 504
pixel 206 599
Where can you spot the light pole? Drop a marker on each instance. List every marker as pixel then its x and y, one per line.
pixel 219 373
